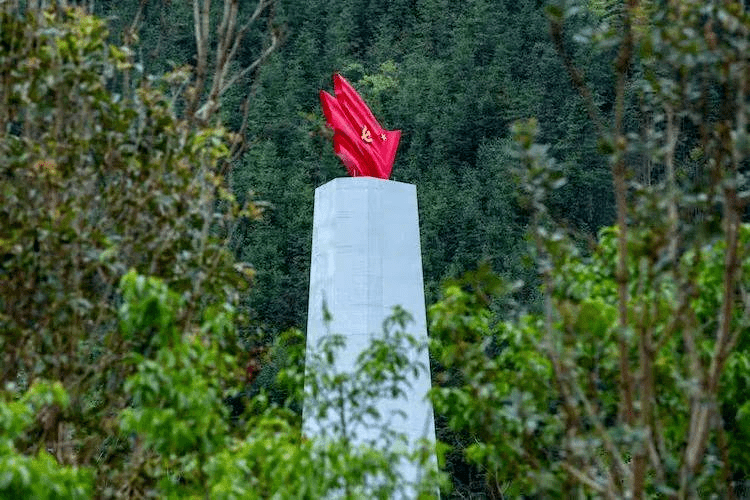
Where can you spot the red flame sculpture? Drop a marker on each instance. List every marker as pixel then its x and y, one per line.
pixel 366 148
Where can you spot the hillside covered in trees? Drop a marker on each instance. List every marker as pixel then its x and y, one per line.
pixel 453 78
pixel 581 170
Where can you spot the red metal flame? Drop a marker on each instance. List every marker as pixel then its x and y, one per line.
pixel 366 148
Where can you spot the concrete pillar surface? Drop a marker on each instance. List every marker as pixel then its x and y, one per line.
pixel 366 259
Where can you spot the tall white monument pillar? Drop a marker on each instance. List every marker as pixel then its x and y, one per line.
pixel 366 259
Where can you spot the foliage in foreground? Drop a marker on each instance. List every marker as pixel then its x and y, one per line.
pixel 120 358
pixel 541 400
pixel 185 444
pixel 39 476
pixel 343 408
pixel 631 382
pixel 96 179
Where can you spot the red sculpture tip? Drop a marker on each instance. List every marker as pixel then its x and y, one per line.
pixel 365 148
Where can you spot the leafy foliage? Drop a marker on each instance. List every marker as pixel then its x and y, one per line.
pixel 624 374
pixel 186 445
pixel 501 385
pixel 93 183
pixel 626 383
pixel 118 284
pixel 344 402
pixel 39 476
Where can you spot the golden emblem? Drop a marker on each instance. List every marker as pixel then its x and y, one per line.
pixel 366 134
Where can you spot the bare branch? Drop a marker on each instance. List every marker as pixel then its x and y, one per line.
pixel 200 21
pixel 703 405
pixel 556 32
pixel 255 64
pixel 240 146
pixel 583 478
pixel 622 66
pixel 609 445
pixel 229 41
pixel 223 27
pixel 135 26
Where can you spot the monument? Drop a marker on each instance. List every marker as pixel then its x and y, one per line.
pixel 366 259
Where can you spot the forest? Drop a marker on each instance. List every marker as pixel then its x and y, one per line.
pixel 582 178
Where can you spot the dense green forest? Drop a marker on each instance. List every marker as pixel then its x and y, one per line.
pixel 581 170
pixel 452 78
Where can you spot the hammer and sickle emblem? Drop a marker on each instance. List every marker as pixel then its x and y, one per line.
pixel 366 135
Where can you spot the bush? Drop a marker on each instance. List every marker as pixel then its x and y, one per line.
pixel 96 180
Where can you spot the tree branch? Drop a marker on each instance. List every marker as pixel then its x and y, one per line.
pixel 558 39
pixel 583 478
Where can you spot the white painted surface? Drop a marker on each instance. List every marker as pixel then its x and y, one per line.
pixel 366 259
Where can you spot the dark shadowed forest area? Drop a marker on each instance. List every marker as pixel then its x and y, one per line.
pixel 582 178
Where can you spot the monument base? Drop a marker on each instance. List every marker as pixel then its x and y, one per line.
pixel 366 260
